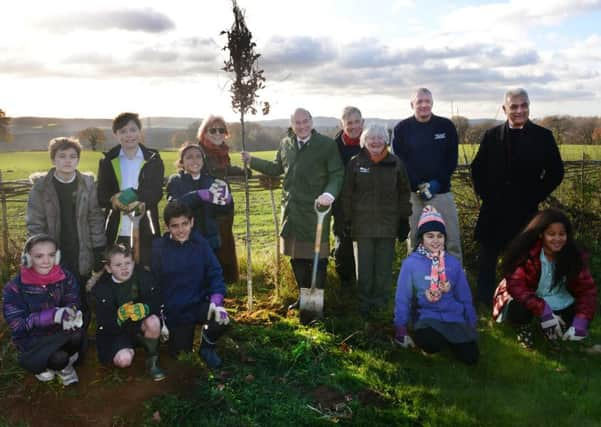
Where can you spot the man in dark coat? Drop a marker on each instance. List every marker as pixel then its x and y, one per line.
pixel 348 146
pixel 517 166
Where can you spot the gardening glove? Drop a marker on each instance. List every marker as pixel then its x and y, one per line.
pixel 402 338
pixel 217 311
pixel 551 324
pixel 577 331
pixel 221 192
pixel 123 312
pixel 138 312
pixel 325 199
pixel 125 200
pixel 74 323
pixel 41 319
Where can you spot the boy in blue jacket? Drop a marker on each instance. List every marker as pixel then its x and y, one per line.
pixel 192 285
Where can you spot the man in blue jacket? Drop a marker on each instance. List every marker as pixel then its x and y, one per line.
pixel 192 285
pixel 427 145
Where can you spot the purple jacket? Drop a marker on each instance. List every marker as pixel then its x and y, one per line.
pixel 454 306
pixel 25 304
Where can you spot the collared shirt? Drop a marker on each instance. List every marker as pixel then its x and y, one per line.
pixel 302 142
pixel 557 295
pixel 130 170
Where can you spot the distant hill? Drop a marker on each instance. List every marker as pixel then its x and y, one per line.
pixel 33 133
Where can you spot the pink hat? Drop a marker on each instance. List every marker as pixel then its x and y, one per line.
pixel 430 220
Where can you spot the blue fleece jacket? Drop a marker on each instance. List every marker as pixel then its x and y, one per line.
pixel 428 150
pixel 188 273
pixel 414 278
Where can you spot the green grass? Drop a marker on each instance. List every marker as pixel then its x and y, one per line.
pixel 342 370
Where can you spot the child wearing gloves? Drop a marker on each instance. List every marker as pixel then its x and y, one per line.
pixel 207 196
pixel 128 304
pixel 546 277
pixel 432 286
pixel 41 307
pixel 191 282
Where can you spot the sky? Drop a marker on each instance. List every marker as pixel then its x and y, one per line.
pixel 164 58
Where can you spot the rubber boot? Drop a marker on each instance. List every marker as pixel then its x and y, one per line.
pixel 208 353
pixel 152 359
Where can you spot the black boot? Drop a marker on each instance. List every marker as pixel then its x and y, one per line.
pixel 208 353
pixel 152 359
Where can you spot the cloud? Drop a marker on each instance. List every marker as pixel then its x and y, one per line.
pixel 144 20
pixel 296 52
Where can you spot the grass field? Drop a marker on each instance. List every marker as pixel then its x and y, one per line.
pixel 340 370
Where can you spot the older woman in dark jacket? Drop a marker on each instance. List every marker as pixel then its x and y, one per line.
pixel 375 202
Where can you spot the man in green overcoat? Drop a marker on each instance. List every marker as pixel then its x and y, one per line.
pixel 313 172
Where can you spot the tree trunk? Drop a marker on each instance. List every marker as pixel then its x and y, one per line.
pixel 249 270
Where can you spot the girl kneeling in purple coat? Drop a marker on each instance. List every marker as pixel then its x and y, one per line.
pixel 433 295
pixel 42 309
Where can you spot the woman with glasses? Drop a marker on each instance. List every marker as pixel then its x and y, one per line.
pixel 212 135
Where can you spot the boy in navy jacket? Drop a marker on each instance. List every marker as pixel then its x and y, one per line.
pixel 192 285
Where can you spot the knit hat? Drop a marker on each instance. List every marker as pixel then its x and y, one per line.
pixel 430 220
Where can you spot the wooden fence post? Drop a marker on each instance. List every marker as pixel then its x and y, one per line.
pixel 4 216
pixel 277 240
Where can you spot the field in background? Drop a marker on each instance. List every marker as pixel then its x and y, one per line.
pixel 342 370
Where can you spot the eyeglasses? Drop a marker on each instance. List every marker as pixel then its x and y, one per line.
pixel 213 131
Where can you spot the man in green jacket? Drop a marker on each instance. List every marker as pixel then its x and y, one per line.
pixel 313 172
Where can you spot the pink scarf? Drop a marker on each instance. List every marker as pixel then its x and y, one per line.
pixel 438 276
pixel 31 277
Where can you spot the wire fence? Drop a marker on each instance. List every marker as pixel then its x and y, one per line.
pixel 578 195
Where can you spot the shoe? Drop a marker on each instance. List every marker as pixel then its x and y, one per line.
pixel 525 337
pixel 68 375
pixel 294 305
pixel 153 369
pixel 209 355
pixel 47 375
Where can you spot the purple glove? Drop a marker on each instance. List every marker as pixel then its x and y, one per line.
pixel 217 311
pixel 402 338
pixel 205 195
pixel 577 331
pixel 41 319
pixel 551 324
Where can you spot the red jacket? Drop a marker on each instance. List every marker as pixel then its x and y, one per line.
pixel 523 282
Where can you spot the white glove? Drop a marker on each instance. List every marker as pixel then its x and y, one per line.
pixel 219 313
pixel 63 313
pixel 553 327
pixel 570 335
pixel 406 342
pixel 76 322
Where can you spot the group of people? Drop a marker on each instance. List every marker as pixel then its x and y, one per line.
pixel 97 247
pixel 145 287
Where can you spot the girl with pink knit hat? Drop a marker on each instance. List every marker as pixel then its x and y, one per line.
pixel 433 296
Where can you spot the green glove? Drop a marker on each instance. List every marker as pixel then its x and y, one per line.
pixel 123 312
pixel 138 312
pixel 128 196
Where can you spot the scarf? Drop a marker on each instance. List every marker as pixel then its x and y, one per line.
pixel 347 140
pixel 217 153
pixel 31 277
pixel 438 276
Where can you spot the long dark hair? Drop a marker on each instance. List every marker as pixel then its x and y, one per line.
pixel 569 260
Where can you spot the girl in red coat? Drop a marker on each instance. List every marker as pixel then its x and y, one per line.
pixel 546 277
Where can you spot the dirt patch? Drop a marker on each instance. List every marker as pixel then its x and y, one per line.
pixel 103 397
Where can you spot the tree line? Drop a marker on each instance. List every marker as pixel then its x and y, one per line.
pixel 566 129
